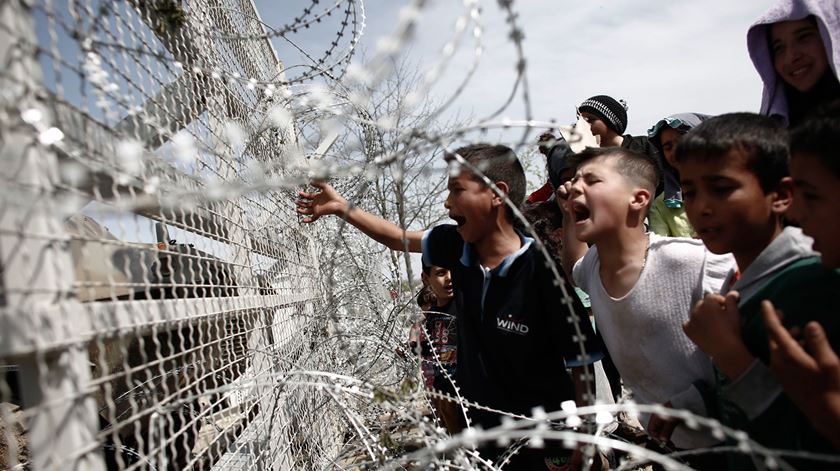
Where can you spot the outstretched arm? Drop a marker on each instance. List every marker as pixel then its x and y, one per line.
pixel 327 201
pixel 810 376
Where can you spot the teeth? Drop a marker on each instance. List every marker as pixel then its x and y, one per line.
pixel 799 71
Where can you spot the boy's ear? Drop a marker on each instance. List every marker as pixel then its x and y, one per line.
pixel 504 188
pixel 641 199
pixel 424 278
pixel 783 195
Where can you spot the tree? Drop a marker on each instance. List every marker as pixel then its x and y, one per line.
pixel 391 135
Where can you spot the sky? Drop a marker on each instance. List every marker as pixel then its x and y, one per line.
pixel 660 57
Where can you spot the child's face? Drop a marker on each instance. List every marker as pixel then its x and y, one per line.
pixel 470 205
pixel 669 138
pixel 798 53
pixel 440 282
pixel 600 199
pixel 817 191
pixel 596 125
pixel 726 205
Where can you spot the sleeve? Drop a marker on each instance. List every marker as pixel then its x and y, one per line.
pixel 716 269
pixel 754 391
pixel 442 246
pixel 543 194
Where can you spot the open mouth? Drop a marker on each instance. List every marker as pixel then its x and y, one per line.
pixel 799 71
pixel 460 221
pixel 707 231
pixel 581 212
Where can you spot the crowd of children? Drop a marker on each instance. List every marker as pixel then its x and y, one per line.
pixel 708 252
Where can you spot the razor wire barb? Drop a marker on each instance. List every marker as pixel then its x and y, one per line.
pixel 161 303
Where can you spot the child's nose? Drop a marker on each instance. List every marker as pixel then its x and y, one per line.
pixel 793 53
pixel 703 204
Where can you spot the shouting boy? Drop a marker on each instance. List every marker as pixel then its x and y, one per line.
pixel 515 338
pixel 641 286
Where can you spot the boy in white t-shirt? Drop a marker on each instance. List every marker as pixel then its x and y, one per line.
pixel 642 287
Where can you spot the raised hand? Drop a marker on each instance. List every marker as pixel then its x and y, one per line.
pixel 546 141
pixel 563 194
pixel 715 323
pixel 573 249
pixel 810 376
pixel 715 327
pixel 313 205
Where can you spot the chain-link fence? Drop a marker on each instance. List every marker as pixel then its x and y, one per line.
pixel 160 301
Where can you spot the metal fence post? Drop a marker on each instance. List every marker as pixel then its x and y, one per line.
pixel 38 272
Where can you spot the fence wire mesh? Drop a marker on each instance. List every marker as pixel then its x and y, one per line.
pixel 162 307
pixel 154 294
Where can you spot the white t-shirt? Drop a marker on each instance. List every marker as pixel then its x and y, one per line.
pixel 643 329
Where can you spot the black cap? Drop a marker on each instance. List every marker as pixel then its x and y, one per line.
pixel 613 113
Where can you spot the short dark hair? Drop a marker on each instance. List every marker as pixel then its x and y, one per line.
pixel 641 168
pixel 819 136
pixel 499 164
pixel 761 139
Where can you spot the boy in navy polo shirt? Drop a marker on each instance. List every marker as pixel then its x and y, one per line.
pixel 515 338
